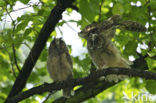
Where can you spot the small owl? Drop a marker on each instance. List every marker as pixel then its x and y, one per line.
pixel 108 27
pixel 99 41
pixel 103 52
pixel 101 49
pixel 59 63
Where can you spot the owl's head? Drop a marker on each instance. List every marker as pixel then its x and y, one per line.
pixel 90 29
pixel 57 46
pixel 94 41
pixel 115 19
pixel 92 34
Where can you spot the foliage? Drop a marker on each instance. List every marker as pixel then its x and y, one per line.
pixel 17 35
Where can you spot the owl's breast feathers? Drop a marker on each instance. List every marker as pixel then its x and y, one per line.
pixel 60 66
pixel 107 56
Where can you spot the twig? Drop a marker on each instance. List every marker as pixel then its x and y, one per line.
pixel 48 96
pixel 14 54
pixel 48 27
pixel 11 61
pixel 4 22
pixel 100 7
pixel 86 92
pixel 10 56
pixel 13 45
pixel 60 30
pixel 74 7
pixel 71 27
pixel 3 47
pixel 83 81
pixel 20 9
pixel 150 44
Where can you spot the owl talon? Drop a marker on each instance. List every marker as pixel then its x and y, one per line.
pixel 115 78
pixel 59 63
pixel 112 78
pixel 72 93
pixel 122 77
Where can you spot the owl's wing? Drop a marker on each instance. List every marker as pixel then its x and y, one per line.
pixel 50 68
pixel 132 26
pixel 69 59
pixel 49 61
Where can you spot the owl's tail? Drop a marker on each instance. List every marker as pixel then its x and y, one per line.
pixel 67 92
pixel 125 63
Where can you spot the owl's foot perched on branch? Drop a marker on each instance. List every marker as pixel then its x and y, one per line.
pixel 115 78
pixel 59 63
pixel 67 92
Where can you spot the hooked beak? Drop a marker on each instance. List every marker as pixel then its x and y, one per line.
pixel 93 37
pixel 81 34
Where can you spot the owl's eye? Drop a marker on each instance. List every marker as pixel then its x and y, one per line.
pixel 93 31
pixel 90 35
pixel 53 42
pixel 62 44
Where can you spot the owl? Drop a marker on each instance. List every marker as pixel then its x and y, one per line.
pixel 103 52
pixel 59 63
pixel 108 27
pixel 101 49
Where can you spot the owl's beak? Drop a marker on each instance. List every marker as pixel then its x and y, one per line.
pixel 83 34
pixel 80 34
pixel 93 37
pixel 57 43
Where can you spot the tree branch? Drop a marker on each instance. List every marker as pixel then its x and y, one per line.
pixel 91 79
pixel 100 7
pixel 39 44
pixel 86 92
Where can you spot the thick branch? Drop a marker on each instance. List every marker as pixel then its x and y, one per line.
pixel 82 81
pixel 39 44
pixel 86 92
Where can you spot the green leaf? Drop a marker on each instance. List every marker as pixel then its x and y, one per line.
pixel 136 13
pixel 87 9
pixel 2 3
pixel 130 48
pixel 27 31
pixel 150 85
pixel 127 8
pixel 24 1
pixel 21 26
pixel 153 4
pixel 122 39
pixel 61 23
pixel 151 63
pixel 127 41
pixel 118 9
pixel 143 2
pixel 44 55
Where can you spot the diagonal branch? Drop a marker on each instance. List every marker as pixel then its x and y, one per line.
pixel 84 81
pixel 39 44
pixel 100 8
pixel 86 92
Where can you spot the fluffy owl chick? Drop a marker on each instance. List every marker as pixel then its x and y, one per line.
pixel 104 54
pixel 59 63
pixel 101 49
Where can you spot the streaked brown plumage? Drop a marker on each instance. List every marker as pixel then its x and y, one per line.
pixel 112 22
pixel 59 63
pixel 104 53
pixel 101 49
